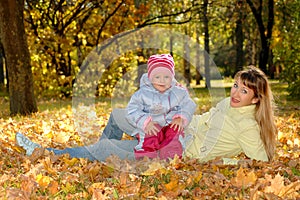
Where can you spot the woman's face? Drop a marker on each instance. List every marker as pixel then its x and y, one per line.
pixel 241 95
pixel 162 81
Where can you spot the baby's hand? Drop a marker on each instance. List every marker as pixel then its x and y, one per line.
pixel 177 124
pixel 152 128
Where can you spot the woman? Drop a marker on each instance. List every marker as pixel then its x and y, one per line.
pixel 243 122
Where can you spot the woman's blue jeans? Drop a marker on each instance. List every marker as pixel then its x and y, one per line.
pixel 110 142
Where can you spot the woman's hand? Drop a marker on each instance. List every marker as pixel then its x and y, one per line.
pixel 177 124
pixel 152 128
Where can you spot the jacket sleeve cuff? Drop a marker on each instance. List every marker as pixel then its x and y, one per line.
pixel 230 161
pixel 149 119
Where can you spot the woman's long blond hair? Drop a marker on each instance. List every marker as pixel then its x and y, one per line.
pixel 256 80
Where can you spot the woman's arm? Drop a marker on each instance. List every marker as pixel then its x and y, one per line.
pixel 252 144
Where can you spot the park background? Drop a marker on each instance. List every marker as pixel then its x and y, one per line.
pixel 44 45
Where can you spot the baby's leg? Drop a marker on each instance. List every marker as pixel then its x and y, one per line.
pixel 171 145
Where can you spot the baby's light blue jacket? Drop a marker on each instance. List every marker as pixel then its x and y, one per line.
pixel 148 104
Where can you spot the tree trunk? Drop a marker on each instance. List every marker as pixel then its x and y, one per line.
pixel 198 51
pixel 206 45
pixel 239 38
pixel 142 65
pixel 21 94
pixel 1 67
pixel 265 32
pixel 171 37
pixel 186 63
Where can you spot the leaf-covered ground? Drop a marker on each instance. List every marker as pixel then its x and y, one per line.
pixel 46 176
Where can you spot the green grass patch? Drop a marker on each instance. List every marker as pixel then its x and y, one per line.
pixel 201 95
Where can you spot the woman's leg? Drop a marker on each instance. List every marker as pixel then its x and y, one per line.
pixel 98 151
pixel 101 150
pixel 116 126
pixel 74 152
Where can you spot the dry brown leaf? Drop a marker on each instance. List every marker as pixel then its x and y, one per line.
pixel 123 179
pixel 28 185
pixel 98 194
pixel 36 154
pixel 94 186
pixel 4 178
pixel 16 194
pixel 53 187
pixel 94 171
pixel 99 191
pixel 48 165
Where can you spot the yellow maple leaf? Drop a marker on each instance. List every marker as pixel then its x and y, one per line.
pixel 173 184
pixel 68 188
pixel 61 137
pixel 70 162
pixel 153 167
pixel 244 178
pixel 197 176
pixel 43 181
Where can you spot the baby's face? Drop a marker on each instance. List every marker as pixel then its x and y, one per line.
pixel 162 81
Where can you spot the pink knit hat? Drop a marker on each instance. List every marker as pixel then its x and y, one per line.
pixel 161 63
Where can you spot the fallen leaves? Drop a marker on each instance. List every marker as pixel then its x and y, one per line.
pixel 153 168
pixel 277 187
pixel 47 176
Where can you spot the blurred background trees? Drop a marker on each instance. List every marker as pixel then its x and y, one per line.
pixel 60 35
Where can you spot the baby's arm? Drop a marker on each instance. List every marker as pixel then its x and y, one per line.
pixel 136 115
